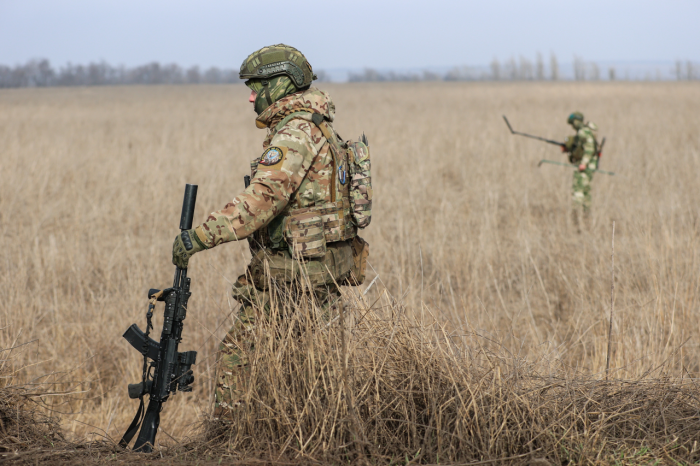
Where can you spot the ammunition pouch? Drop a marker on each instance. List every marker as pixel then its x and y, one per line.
pixel 337 224
pixel 305 236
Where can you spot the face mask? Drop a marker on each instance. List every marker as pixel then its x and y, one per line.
pixel 270 91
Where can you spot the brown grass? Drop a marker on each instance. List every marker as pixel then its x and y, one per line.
pixel 492 310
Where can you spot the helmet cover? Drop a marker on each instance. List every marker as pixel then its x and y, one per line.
pixel 574 116
pixel 277 60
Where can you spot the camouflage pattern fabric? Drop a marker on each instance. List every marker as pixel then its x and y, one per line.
pixel 304 234
pixel 361 183
pixel 583 150
pixel 581 190
pixel 302 177
pixel 274 285
pixel 277 88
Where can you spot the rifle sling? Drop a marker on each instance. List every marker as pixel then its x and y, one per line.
pixel 136 423
pixel 133 427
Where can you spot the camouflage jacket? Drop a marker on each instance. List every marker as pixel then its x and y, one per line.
pixel 583 147
pixel 294 171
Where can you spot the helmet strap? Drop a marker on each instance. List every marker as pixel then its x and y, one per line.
pixel 266 92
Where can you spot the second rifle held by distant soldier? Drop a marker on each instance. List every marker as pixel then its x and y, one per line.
pixel 565 147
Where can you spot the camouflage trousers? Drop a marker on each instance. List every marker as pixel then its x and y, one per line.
pixel 581 190
pixel 275 285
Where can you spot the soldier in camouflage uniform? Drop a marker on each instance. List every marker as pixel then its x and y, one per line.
pixel 583 151
pixel 295 213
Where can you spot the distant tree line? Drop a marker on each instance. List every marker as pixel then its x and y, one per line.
pixel 40 73
pixel 370 74
pixel 687 71
pixel 525 69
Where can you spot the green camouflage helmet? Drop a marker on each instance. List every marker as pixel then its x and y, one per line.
pixel 276 60
pixel 575 116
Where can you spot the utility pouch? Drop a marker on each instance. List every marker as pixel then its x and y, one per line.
pixel 304 235
pixel 360 253
pixel 272 265
pixel 360 182
pixel 332 268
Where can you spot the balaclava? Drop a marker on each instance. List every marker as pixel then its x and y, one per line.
pixel 270 91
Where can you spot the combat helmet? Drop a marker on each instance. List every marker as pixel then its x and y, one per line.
pixel 277 60
pixel 575 116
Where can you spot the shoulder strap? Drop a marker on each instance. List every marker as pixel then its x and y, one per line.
pixel 291 116
pixel 320 121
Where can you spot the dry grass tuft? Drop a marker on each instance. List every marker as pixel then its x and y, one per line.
pixel 420 394
pixel 22 427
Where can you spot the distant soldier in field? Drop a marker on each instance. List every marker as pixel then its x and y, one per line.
pixel 583 151
pixel 309 193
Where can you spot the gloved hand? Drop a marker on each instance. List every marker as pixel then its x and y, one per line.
pixel 186 244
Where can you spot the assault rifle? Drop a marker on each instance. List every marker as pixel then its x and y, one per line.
pixel 169 369
pixel 550 141
pixel 560 144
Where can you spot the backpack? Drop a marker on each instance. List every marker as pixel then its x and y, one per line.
pixel 360 181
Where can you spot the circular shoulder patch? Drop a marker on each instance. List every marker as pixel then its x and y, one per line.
pixel 271 156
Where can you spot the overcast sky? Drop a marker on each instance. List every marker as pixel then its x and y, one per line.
pixel 347 34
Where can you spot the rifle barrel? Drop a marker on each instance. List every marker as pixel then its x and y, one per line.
pixel 188 206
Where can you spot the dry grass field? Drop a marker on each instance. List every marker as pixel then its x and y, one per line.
pixel 473 245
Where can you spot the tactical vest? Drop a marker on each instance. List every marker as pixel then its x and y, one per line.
pixel 305 231
pixel 577 151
